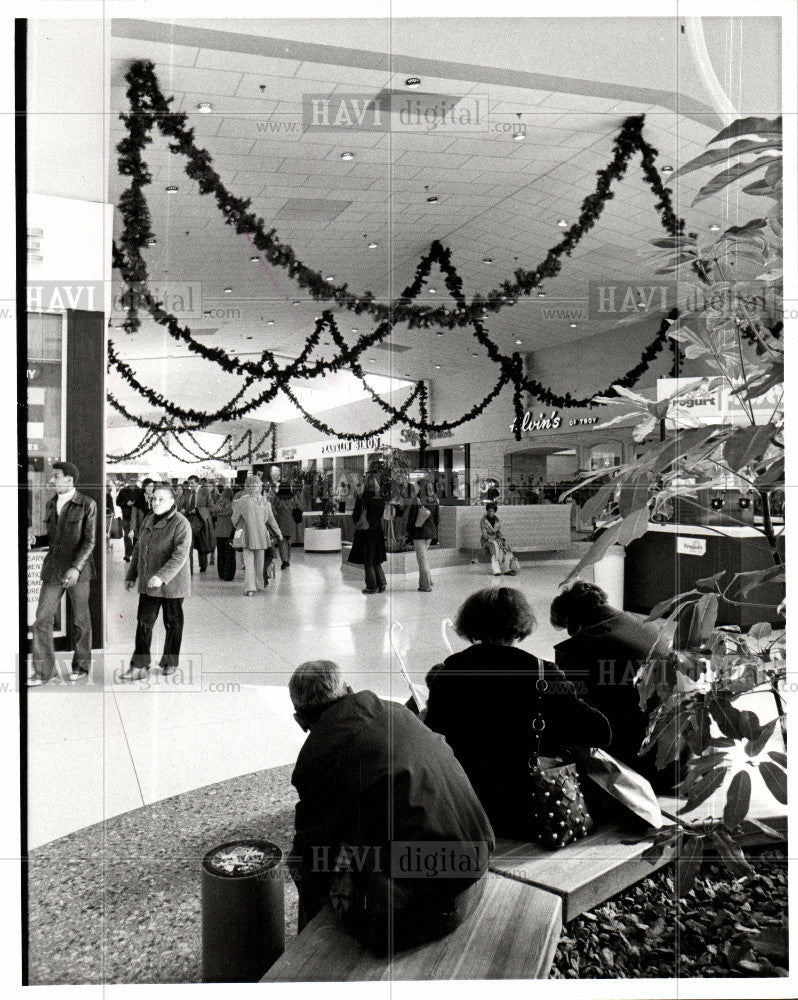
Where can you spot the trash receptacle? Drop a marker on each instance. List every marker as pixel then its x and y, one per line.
pixel 243 911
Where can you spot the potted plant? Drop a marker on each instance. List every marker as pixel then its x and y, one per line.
pixel 322 535
pixel 695 691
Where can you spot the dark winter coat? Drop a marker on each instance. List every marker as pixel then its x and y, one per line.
pixel 429 529
pixel 368 547
pixel 484 701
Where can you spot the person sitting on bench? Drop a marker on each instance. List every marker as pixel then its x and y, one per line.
pixel 388 828
pixel 605 651
pixel 484 701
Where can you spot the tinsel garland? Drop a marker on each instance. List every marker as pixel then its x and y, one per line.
pixel 149 106
pixel 222 454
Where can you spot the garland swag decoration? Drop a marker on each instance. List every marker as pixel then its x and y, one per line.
pixel 149 107
pixel 242 450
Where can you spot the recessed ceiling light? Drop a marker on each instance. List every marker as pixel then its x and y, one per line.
pixel 151 241
pixel 563 223
pixel 255 259
pixel 474 354
pixel 573 326
pixel 354 329
pixel 541 295
pixel 270 323
pixel 204 107
pixel 207 312
pixel 519 136
pixel 714 228
pixel 347 156
pixel 439 333
pixel 372 246
pixel 519 342
pixel 433 291
pixel 641 305
pixel 667 170
pixel 295 302
pixel 330 277
pixel 227 291
pixel 413 82
pixel 487 260
pixel 432 199
pixel 437 367
pixel 172 188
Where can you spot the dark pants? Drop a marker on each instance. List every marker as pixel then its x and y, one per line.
pixel 147 617
pixel 49 601
pixel 225 559
pixel 268 564
pixel 202 559
pixel 375 576
pixel 285 549
pixel 126 536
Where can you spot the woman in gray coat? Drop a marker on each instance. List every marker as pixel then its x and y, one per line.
pixel 160 564
pixel 252 513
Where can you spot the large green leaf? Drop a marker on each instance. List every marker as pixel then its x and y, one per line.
pixel 776 780
pixel 726 154
pixel 705 614
pixel 778 756
pixel 727 177
pixel 748 126
pixel 755 746
pixel 708 785
pixel 738 799
pixel 753 578
pixel 732 722
pixel 688 864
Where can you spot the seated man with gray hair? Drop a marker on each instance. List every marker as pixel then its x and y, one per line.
pixel 388 827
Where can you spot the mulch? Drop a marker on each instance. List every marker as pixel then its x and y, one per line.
pixel 725 927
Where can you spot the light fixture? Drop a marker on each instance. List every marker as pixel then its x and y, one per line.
pixel 172 188
pixel 354 329
pixel 372 246
pixel 563 223
pixel 641 305
pixel 330 277
pixel 487 260
pixel 295 302
pixel 439 333
pixel 433 291
pixel 519 136
pixel 519 342
pixel 666 170
pixel 413 82
pixel 270 323
pixel 227 290
pixel 573 326
pixel 432 199
pixel 249 338
pixel 151 241
pixel 474 354
pixel 541 295
pixel 714 228
pixel 255 259
pixel 347 156
pixel 207 312
pixel 437 367
pixel 204 107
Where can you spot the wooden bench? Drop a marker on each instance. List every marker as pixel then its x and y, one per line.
pixel 513 934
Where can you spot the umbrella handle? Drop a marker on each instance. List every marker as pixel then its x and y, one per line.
pixel 444 636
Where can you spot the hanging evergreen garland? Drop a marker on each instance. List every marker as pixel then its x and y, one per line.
pixel 226 452
pixel 149 107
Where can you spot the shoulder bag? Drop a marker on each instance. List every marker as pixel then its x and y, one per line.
pixel 238 539
pixel 423 515
pixel 557 806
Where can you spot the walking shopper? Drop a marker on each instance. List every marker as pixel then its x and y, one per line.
pixel 198 512
pixel 368 547
pixel 225 553
pixel 283 507
pixel 253 517
pixel 71 520
pixel 160 565
pixel 422 529
pixel 126 501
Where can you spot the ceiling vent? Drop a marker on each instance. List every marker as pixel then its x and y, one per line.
pixel 311 210
pixel 386 345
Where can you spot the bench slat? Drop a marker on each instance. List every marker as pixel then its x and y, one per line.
pixel 513 934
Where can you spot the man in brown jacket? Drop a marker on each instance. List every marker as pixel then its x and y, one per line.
pixel 71 521
pixel 160 564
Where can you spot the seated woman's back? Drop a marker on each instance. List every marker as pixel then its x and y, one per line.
pixel 485 699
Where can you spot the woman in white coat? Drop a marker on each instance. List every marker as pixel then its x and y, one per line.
pixel 252 514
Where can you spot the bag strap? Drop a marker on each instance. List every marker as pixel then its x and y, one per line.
pixel 538 723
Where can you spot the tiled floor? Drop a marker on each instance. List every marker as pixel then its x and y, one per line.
pixel 103 750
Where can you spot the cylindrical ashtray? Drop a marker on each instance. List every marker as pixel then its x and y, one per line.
pixel 243 911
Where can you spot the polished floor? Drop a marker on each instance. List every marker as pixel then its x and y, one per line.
pixel 98 750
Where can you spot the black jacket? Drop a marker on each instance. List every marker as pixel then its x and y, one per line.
pixel 484 700
pixel 368 546
pixel 429 529
pixel 71 537
pixel 371 774
pixel 602 661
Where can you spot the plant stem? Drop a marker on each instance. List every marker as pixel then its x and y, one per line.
pixel 767 527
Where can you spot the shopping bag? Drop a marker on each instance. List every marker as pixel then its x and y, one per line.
pixel 238 539
pixel 624 784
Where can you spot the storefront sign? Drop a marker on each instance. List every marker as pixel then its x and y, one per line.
pixel 351 447
pixel 408 435
pixel 540 423
pixel 320 449
pixel 718 406
pixel 687 546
